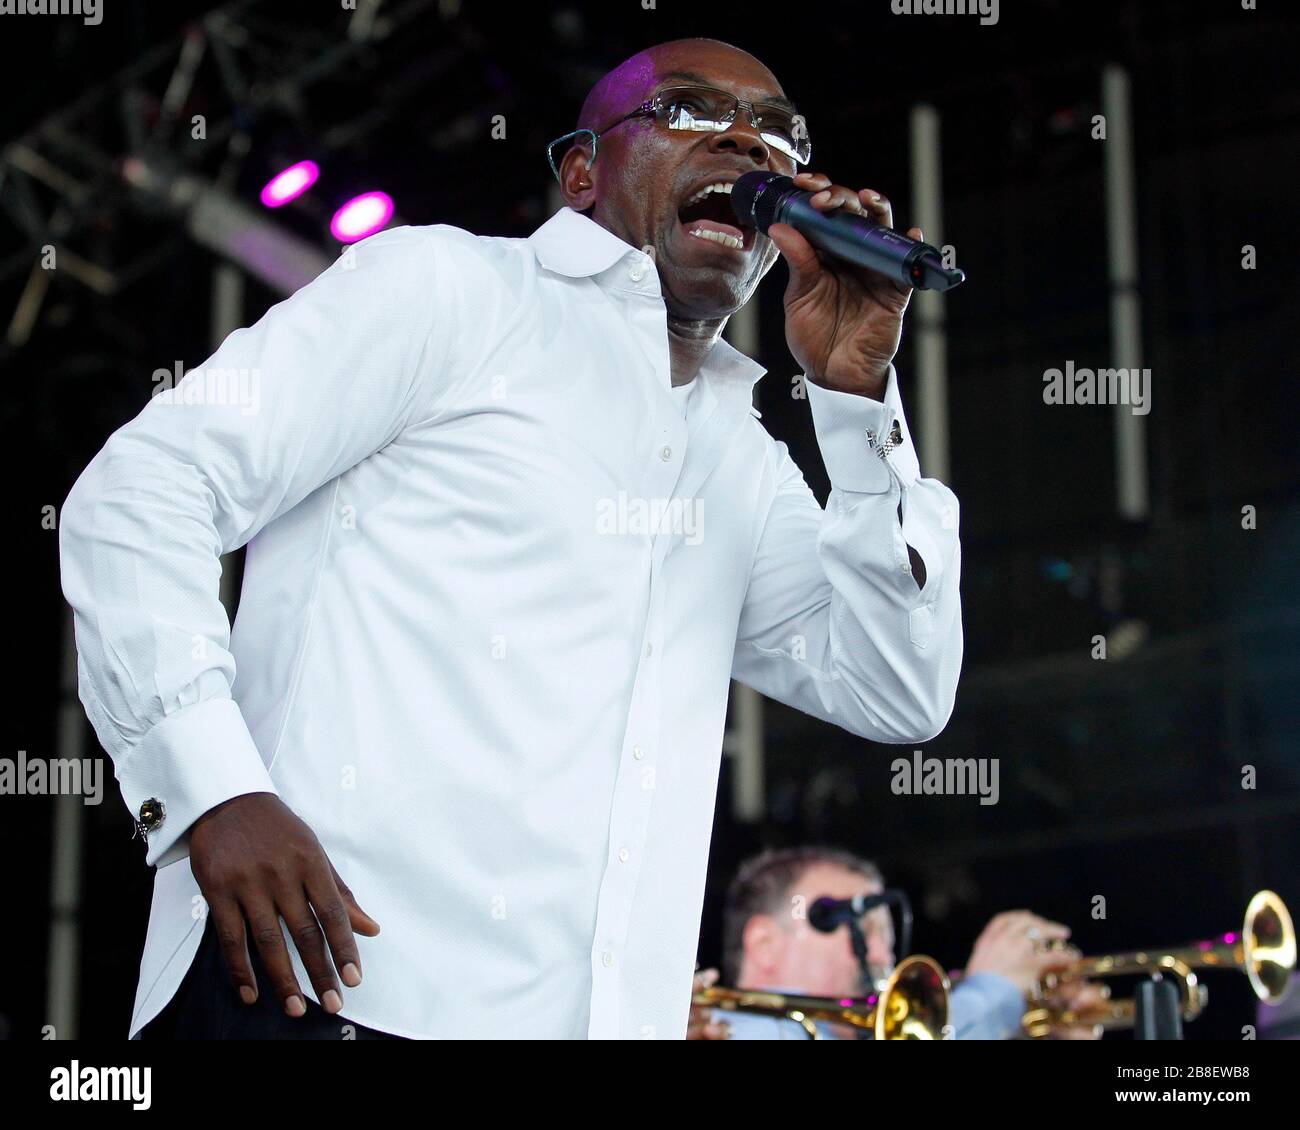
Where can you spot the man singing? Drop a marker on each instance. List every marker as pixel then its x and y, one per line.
pixel 512 526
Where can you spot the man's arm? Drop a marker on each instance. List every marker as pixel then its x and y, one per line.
pixel 986 1006
pixel 834 621
pixel 322 381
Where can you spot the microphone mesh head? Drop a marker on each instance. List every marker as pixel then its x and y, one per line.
pixel 822 915
pixel 755 196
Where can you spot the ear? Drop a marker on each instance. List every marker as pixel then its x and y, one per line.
pixel 577 175
pixel 762 941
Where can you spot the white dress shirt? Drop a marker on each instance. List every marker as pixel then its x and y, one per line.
pixel 496 587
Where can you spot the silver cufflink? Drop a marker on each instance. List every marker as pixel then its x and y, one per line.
pixel 883 448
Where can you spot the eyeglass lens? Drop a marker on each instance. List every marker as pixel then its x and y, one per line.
pixel 706 110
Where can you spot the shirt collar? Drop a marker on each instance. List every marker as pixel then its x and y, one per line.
pixel 726 361
pixel 572 244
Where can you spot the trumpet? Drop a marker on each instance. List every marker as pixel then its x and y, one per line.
pixel 1264 949
pixel 911 1005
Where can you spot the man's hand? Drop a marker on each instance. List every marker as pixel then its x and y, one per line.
pixel 1077 998
pixel 1013 945
pixel 700 1025
pixel 842 322
pixel 255 860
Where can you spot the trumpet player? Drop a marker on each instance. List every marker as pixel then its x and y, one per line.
pixel 769 944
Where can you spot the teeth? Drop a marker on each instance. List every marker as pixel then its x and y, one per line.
pixel 717 237
pixel 708 233
pixel 719 187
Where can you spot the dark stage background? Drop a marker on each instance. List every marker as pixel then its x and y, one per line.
pixel 1119 778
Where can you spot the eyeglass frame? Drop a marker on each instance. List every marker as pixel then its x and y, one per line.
pixel 651 109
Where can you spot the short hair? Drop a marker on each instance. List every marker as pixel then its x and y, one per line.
pixel 762 885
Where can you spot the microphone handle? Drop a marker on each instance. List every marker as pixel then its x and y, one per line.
pixel 868 244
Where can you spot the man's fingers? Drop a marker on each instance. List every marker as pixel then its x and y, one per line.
pixel 705 978
pixel 1008 920
pixel 1050 961
pixel 1037 929
pixel 1078 1032
pixel 702 1027
pixel 836 198
pixel 1080 996
pixel 799 257
pixel 264 925
pixel 877 206
pixel 1007 924
pixel 359 920
pixel 228 923
pixel 309 939
pixel 811 182
pixel 334 915
pixel 1051 930
pixel 828 196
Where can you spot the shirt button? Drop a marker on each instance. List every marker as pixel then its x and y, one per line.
pixel 624 855
pixel 648 649
pixel 665 453
pixel 905 568
pixel 607 958
pixel 638 752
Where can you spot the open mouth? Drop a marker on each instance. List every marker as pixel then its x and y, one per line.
pixel 707 215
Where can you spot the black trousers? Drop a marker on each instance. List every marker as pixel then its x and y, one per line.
pixel 207 1007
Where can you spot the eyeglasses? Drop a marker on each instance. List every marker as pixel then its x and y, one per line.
pixel 705 109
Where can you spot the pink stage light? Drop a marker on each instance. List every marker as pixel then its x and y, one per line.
pixel 290 184
pixel 361 216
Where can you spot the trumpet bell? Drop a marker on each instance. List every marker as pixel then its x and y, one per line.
pixel 1268 945
pixel 911 1005
pixel 914 1002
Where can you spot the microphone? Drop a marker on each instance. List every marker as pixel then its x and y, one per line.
pixel 760 199
pixel 828 914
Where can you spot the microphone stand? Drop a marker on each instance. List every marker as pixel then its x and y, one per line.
pixel 899 899
pixel 1158 1011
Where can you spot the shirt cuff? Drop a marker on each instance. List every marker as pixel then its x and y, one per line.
pixel 842 420
pixel 191 761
